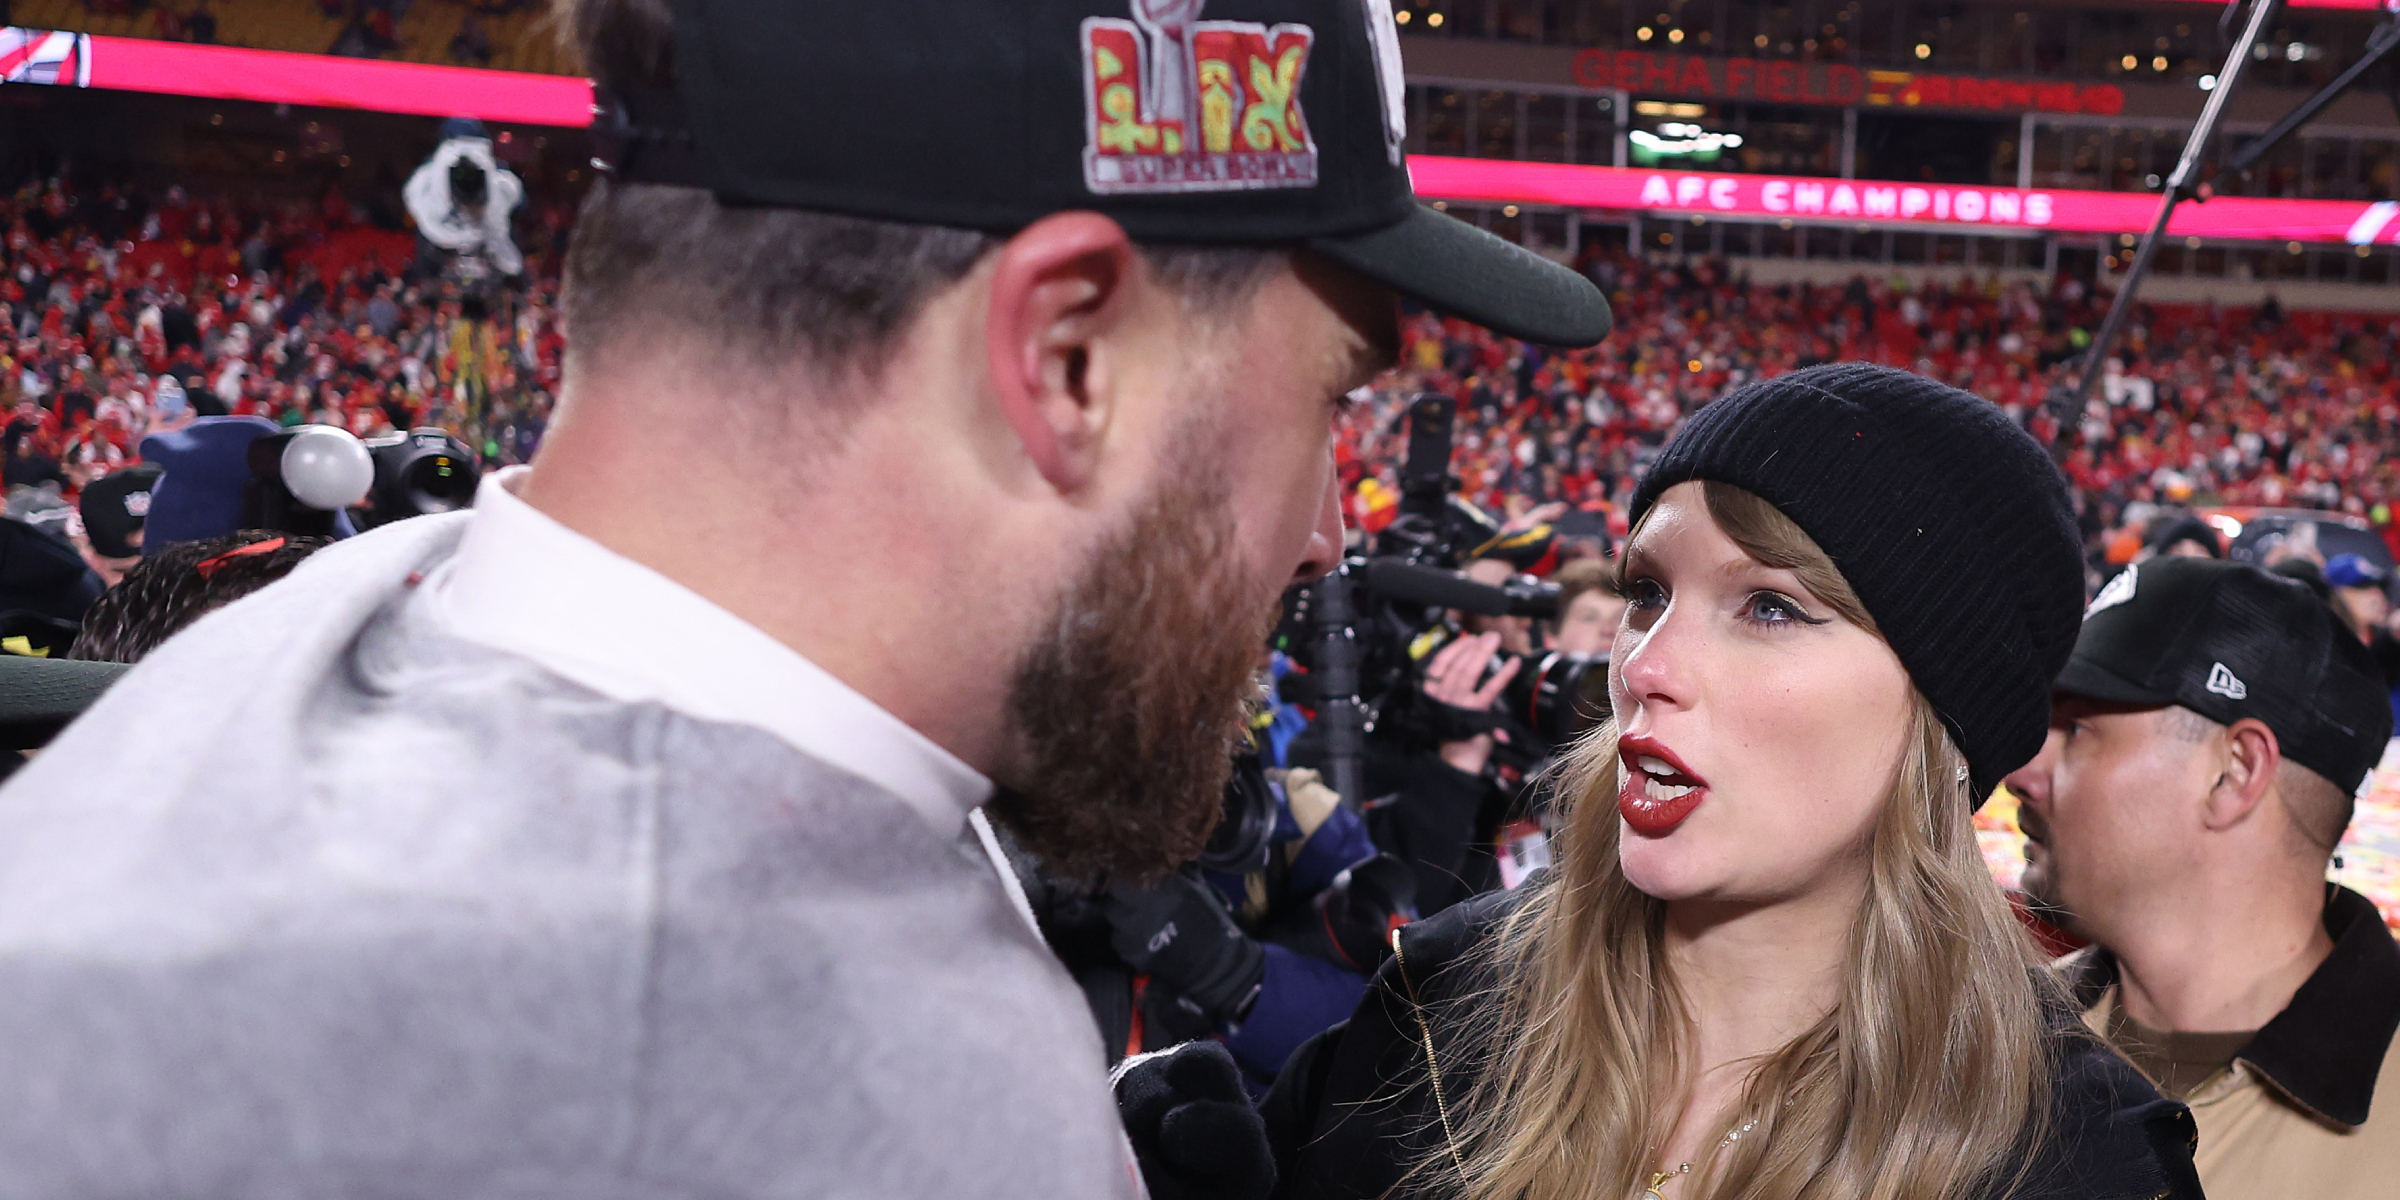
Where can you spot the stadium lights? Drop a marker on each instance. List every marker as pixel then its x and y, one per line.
pixel 1661 108
pixel 1401 17
pixel 1434 20
pixel 1924 50
pixel 2208 83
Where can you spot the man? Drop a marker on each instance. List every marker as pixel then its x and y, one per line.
pixel 2208 735
pixel 2185 536
pixel 114 508
pixel 584 844
pixel 2359 585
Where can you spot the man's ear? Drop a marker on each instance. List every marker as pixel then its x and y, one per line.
pixel 1058 286
pixel 2251 755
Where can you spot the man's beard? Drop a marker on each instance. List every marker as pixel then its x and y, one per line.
pixel 1129 708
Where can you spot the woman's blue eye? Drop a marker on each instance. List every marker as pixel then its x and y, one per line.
pixel 1769 608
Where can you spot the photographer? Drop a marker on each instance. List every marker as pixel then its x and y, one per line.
pixel 1467 706
pixel 1437 791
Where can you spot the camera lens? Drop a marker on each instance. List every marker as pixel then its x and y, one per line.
pixel 438 483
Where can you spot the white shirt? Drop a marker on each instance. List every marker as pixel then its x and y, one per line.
pixel 524 583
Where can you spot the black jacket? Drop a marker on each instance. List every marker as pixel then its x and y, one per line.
pixel 1355 1108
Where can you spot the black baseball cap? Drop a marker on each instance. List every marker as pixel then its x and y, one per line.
pixel 115 506
pixel 1193 121
pixel 2228 640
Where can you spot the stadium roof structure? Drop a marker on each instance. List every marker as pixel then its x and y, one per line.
pixel 68 59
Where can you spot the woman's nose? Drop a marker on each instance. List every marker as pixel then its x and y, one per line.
pixel 1658 667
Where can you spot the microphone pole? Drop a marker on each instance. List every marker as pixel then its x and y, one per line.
pixel 2068 408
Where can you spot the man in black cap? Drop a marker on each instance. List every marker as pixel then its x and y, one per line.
pixel 2208 736
pixel 114 508
pixel 578 844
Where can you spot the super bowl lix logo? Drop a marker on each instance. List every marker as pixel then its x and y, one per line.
pixel 1176 104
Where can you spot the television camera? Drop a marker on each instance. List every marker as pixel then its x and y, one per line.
pixel 1363 631
pixel 322 481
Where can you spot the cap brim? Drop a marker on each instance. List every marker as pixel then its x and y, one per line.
pixel 1455 268
pixel 40 695
pixel 2085 678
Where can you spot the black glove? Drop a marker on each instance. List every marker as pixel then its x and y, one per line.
pixel 1362 906
pixel 1192 1127
pixel 1179 933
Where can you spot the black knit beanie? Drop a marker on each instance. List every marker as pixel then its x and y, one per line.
pixel 1952 524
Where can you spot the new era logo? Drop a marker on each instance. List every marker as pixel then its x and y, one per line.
pixel 2225 683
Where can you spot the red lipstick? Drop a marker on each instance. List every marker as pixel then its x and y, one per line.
pixel 1655 791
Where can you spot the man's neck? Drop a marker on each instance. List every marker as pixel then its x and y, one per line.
pixel 2224 967
pixel 868 573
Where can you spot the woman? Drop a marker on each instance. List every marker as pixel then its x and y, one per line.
pixel 1770 962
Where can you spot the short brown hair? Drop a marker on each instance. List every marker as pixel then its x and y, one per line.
pixel 2319 809
pixel 1583 575
pixel 769 285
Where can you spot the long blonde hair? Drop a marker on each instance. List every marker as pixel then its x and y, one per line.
pixel 1929 1080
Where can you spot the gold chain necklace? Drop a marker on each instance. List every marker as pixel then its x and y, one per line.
pixel 1660 1179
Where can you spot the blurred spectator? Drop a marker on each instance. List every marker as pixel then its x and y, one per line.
pixel 45 588
pixel 1589 608
pixel 473 44
pixel 2359 587
pixel 114 510
pixel 2185 536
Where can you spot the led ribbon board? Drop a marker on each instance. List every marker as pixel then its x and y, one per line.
pixel 1954 209
pixel 278 77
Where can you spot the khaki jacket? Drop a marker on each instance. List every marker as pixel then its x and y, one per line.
pixel 2290 1119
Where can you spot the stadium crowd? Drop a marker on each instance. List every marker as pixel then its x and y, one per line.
pixel 129 313
pixel 2230 406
